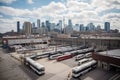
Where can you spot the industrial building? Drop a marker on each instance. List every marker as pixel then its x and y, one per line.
pixel 37 42
pixel 101 42
pixel 108 59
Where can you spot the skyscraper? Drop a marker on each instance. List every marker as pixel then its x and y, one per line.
pixel 38 23
pixel 69 23
pixel 107 26
pixel 68 30
pixel 27 28
pixel 91 27
pixel 18 26
pixel 76 27
pixel 98 27
pixel 33 25
pixel 60 25
pixel 52 26
pixel 81 27
pixel 43 25
pixel 48 25
pixel 43 29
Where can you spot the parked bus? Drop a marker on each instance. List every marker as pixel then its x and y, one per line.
pixel 38 68
pixel 88 55
pixel 83 51
pixel 89 49
pixel 64 57
pixel 80 56
pixel 83 61
pixel 90 59
pixel 86 67
pixel 52 57
pixel 73 53
pixel 80 51
pixel 39 56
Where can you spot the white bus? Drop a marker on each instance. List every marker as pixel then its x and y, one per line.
pixel 82 61
pixel 52 57
pixel 80 51
pixel 86 67
pixel 38 68
pixel 88 55
pixel 80 56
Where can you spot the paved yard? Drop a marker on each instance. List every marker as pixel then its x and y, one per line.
pixel 11 69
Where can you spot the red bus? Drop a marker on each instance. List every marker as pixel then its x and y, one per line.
pixel 64 57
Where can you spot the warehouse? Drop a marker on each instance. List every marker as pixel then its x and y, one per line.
pixel 108 59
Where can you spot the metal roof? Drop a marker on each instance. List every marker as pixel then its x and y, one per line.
pixel 112 53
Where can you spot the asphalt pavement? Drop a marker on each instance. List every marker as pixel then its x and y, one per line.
pixel 12 69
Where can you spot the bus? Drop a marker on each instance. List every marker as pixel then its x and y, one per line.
pixel 52 57
pixel 40 55
pixel 38 68
pixel 89 49
pixel 82 61
pixel 83 51
pixel 84 68
pixel 88 55
pixel 64 57
pixel 80 56
pixel 73 53
pixel 80 51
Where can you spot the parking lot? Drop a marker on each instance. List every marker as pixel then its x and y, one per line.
pixel 53 70
pixel 60 70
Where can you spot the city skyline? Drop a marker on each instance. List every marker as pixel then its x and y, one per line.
pixel 79 11
pixel 60 27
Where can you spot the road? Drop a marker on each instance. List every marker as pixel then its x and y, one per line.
pixel 11 69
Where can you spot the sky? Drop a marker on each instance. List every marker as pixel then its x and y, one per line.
pixel 79 11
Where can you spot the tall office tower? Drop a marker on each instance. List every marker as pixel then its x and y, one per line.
pixel 81 27
pixel 91 27
pixel 69 23
pixel 43 29
pixel 63 24
pixel 68 30
pixel 86 28
pixel 52 26
pixel 38 23
pixel 33 25
pixel 18 26
pixel 48 25
pixel 98 27
pixel 27 28
pixel 43 25
pixel 60 25
pixel 107 26
pixel 76 27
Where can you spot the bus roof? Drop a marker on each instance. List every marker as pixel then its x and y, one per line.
pixel 83 65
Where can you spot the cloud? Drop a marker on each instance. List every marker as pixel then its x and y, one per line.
pixel 7 1
pixel 10 24
pixel 51 10
pixel 14 12
pixel 30 1
pixel 112 15
pixel 79 12
pixel 1 16
pixel 75 5
pixel 103 5
pixel 113 18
